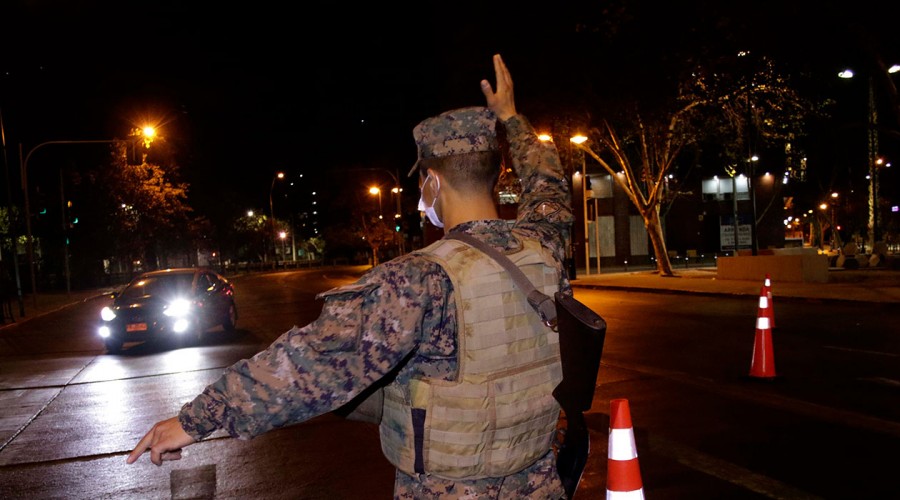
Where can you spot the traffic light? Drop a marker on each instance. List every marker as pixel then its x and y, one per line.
pixel 70 216
pixel 40 201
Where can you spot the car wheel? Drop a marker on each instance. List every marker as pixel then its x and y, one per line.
pixel 113 345
pixel 230 319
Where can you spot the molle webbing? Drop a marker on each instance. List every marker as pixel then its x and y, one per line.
pixel 499 416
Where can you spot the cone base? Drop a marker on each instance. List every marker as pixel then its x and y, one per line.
pixel 757 378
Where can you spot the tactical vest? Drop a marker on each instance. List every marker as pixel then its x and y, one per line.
pixel 499 415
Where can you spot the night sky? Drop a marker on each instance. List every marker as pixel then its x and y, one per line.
pixel 246 89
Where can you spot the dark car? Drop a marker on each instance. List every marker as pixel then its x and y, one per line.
pixel 179 304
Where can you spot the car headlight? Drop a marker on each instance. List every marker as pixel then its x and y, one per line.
pixel 107 314
pixel 178 308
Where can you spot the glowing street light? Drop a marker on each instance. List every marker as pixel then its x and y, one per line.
pixel 282 235
pixel 374 190
pixel 397 190
pixel 278 175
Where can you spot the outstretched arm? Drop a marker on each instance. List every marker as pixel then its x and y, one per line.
pixel 164 441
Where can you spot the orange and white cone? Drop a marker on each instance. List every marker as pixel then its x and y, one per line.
pixel 763 362
pixel 768 286
pixel 623 473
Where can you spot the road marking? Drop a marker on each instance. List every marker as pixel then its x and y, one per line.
pixel 881 381
pixel 195 483
pixel 863 351
pixel 725 471
pixel 761 397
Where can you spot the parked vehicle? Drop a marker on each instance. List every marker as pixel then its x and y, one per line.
pixel 179 304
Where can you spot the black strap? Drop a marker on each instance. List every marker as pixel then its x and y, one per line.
pixel 540 301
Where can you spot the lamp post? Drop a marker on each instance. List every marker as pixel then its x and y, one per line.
pixel 149 133
pixel 834 238
pixel 578 140
pixel 373 191
pixel 754 238
pixel 398 190
pixel 278 175
pixel 282 236
pixel 398 222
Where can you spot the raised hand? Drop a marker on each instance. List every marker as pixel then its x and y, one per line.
pixel 501 102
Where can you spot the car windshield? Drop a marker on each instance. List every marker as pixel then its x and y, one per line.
pixel 161 285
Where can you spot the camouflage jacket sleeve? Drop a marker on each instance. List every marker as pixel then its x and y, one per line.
pixel 545 206
pixel 365 331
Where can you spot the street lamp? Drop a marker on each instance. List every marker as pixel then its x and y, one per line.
pixel 398 190
pixel 23 167
pixel 373 191
pixel 834 239
pixel 282 235
pixel 278 175
pixel 754 237
pixel 579 141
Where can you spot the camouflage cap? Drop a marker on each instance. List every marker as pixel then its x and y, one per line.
pixel 454 132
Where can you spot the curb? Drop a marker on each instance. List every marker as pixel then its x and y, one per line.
pixel 781 298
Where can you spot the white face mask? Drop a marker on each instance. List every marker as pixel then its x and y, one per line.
pixel 429 211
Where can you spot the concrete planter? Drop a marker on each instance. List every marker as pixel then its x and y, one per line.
pixel 797 266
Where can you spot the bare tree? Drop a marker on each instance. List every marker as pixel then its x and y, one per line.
pixel 724 107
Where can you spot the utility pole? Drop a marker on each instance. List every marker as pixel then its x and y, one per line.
pixel 15 253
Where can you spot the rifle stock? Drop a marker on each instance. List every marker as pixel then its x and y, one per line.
pixel 582 333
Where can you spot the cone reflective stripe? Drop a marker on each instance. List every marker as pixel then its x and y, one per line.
pixel 765 307
pixel 767 284
pixel 623 473
pixel 763 362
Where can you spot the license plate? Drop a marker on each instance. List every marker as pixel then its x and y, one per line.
pixel 136 327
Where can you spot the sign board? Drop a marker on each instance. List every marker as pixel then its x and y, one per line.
pixel 726 236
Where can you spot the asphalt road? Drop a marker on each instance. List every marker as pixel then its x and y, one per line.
pixel 703 429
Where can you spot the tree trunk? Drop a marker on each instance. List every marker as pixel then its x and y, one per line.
pixel 374 255
pixel 654 231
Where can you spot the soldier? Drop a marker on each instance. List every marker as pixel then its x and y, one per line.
pixel 464 366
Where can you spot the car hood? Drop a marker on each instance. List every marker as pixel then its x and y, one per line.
pixel 143 303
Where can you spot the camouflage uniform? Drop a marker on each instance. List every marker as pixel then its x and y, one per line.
pixel 398 318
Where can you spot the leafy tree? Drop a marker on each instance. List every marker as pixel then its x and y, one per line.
pixel 344 240
pixel 146 210
pixel 377 234
pixel 252 234
pixel 312 248
pixel 9 217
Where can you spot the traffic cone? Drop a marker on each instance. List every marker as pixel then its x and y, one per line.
pixel 768 285
pixel 763 363
pixel 623 474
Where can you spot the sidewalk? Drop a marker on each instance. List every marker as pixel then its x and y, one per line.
pixel 865 285
pixel 47 302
